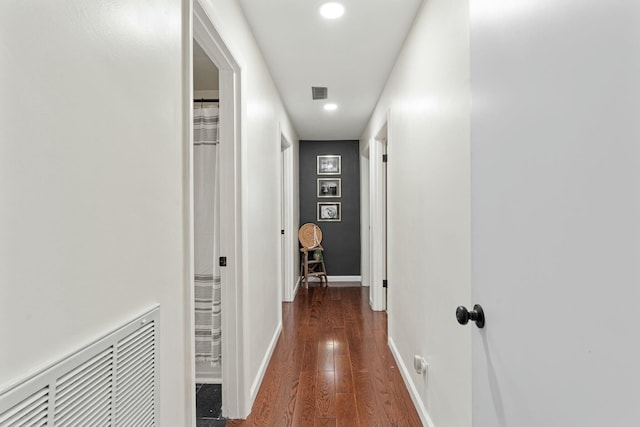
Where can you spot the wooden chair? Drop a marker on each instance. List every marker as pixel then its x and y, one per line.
pixel 312 259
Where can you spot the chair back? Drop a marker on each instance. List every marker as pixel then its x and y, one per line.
pixel 310 235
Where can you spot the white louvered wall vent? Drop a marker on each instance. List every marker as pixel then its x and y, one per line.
pixel 112 382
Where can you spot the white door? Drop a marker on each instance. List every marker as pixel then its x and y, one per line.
pixel 283 207
pixel 289 227
pixel 378 219
pixel 555 143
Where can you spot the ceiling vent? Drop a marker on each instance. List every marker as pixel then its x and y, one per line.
pixel 318 92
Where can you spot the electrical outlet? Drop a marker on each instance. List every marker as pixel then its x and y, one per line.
pixel 420 364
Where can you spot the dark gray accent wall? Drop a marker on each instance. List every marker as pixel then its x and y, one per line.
pixel 341 240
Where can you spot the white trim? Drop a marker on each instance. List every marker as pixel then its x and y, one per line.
pixel 290 249
pixel 234 383
pixel 365 216
pixel 282 255
pixel 413 392
pixel 257 381
pixel 377 216
pixel 337 279
pixel 344 278
pixel 297 286
pixel 188 227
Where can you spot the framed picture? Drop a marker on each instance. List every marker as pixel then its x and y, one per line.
pixel 329 211
pixel 329 187
pixel 329 164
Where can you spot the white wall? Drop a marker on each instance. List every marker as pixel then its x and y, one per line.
pixel 263 115
pixel 91 227
pixel 429 208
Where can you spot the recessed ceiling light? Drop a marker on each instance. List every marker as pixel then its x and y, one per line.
pixel 332 10
pixel 330 107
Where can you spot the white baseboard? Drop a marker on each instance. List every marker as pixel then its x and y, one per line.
pixel 296 287
pixel 263 365
pixel 415 396
pixel 345 278
pixel 338 279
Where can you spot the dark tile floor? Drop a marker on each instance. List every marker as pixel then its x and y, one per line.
pixel 209 406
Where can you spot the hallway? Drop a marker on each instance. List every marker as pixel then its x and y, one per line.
pixel 332 366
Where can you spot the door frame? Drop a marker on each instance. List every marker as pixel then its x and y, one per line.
pixel 377 215
pixel 288 249
pixel 365 209
pixel 203 30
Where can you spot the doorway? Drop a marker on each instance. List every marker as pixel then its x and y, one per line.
pixel 378 195
pixel 288 229
pixel 206 212
pixel 205 37
pixel 206 243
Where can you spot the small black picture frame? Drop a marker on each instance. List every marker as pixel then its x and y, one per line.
pixel 329 211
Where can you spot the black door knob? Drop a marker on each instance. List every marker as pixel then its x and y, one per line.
pixel 476 315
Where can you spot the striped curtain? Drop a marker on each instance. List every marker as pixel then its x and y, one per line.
pixel 206 185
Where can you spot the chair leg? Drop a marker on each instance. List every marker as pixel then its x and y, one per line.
pixel 306 270
pixel 324 271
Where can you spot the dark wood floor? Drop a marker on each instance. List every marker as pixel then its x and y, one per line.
pixel 332 367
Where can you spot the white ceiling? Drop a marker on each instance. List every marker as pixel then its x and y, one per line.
pixel 352 56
